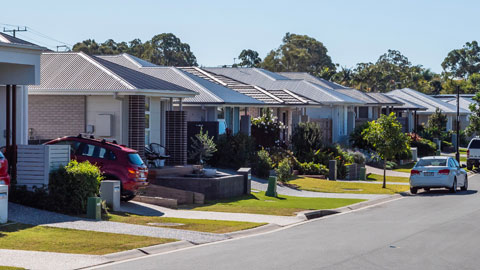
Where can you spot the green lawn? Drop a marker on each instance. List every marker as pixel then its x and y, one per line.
pixel 379 178
pixel 319 185
pixel 463 150
pixel 38 238
pixel 10 268
pixel 405 167
pixel 201 225
pixel 258 203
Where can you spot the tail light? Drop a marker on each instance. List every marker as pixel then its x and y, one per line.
pixel 133 173
pixel 414 172
pixel 468 153
pixel 444 172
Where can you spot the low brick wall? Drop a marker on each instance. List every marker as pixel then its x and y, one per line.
pixel 222 187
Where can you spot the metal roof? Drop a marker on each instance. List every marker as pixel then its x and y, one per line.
pixel 17 42
pixel 426 101
pixel 310 90
pixel 274 97
pixel 74 71
pixel 383 99
pixel 208 92
pixel 407 105
pixel 463 102
pixel 308 77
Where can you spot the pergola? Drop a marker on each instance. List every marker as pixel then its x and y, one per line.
pixel 19 66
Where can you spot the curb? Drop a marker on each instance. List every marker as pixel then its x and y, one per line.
pixel 261 229
pixel 140 252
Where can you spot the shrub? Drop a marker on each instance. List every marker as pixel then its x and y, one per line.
pixel 312 168
pixel 447 146
pixel 306 139
pixel 334 152
pixel 358 157
pixel 266 130
pixel 234 151
pixel 424 147
pixel 283 171
pixel 357 140
pixel 70 187
pixel 263 164
pixel 68 190
pixel 277 154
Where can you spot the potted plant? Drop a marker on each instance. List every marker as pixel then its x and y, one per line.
pixel 203 148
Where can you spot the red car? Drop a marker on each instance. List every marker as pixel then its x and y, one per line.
pixel 116 162
pixel 4 177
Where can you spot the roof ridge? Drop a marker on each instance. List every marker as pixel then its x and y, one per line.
pixel 295 96
pixel 127 56
pixel 210 76
pixel 106 70
pixel 268 93
pixel 264 74
pixel 181 72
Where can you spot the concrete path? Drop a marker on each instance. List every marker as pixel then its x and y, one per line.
pixel 47 260
pixel 262 184
pixel 28 215
pixel 374 170
pixel 154 210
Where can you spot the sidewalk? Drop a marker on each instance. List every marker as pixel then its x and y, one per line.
pixel 48 260
pixel 374 170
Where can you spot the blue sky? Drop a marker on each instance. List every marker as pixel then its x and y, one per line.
pixel 353 31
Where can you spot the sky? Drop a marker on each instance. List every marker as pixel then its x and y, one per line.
pixel 217 31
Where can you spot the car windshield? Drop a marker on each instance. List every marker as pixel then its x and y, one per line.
pixel 1 156
pixel 431 162
pixel 135 159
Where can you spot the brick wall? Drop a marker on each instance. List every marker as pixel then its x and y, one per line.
pixel 176 137
pixel 51 117
pixel 136 124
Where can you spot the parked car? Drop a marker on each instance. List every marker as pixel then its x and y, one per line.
pixel 473 153
pixel 117 162
pixel 438 172
pixel 4 177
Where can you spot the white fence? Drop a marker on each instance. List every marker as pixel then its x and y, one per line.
pixel 35 162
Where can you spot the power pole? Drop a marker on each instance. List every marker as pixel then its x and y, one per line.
pixel 15 30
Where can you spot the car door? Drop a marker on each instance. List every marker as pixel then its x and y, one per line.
pixel 91 153
pixel 462 174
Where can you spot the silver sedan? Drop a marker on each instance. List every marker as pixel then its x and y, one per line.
pixel 438 172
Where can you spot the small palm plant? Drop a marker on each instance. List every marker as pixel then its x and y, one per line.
pixel 203 147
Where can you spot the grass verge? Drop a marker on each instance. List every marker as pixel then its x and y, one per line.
pixel 10 268
pixel 404 168
pixel 318 185
pixel 258 203
pixel 201 225
pixel 38 238
pixel 379 178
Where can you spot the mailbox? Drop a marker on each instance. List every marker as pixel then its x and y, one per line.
pixel 3 204
pixel 110 193
pixel 247 179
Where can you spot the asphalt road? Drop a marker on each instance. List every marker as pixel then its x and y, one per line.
pixel 432 230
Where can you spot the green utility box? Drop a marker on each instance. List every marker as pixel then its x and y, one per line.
pixel 363 174
pixel 272 187
pixel 94 208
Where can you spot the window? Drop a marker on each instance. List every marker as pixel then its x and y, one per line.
pixel 474 144
pixel 88 150
pixel 94 151
pixel 73 145
pixel 135 159
pixel 456 163
pixel 362 112
pixel 147 120
pixel 431 162
pixel 220 113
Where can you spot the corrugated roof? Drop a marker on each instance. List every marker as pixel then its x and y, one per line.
pixel 308 77
pixel 78 71
pixel 278 96
pixel 407 105
pixel 426 101
pixel 7 39
pixel 463 102
pixel 208 92
pixel 310 90
pixel 383 99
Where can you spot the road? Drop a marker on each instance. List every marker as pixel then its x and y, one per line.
pixel 434 230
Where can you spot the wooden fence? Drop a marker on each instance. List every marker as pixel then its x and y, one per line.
pixel 326 127
pixel 35 162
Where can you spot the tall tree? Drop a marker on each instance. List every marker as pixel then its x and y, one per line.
pixel 300 53
pixel 249 58
pixel 166 49
pixel 386 136
pixel 88 46
pixel 474 123
pixel 437 123
pixel 463 62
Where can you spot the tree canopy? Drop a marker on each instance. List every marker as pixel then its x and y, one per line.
pixel 249 58
pixel 463 62
pixel 474 120
pixel 164 49
pixel 300 53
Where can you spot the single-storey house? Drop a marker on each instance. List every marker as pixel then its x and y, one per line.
pixel 431 104
pixel 19 67
pixel 336 108
pixel 80 93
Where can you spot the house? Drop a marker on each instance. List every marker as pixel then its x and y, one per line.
pixel 214 102
pixel 80 93
pixel 334 108
pixel 19 67
pixel 431 104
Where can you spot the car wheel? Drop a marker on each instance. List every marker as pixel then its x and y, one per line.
pixel 413 190
pixel 127 198
pixel 427 189
pixel 453 189
pixel 465 185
